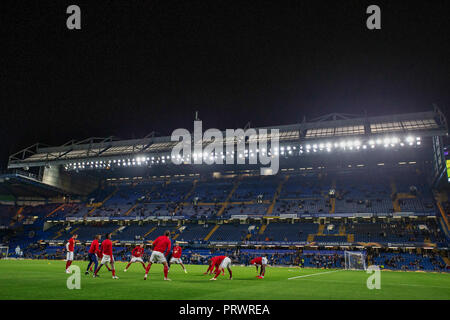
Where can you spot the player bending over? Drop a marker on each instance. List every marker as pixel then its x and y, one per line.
pixel 70 247
pixel 136 256
pixel 223 262
pixel 161 248
pixel 212 266
pixel 107 252
pixel 176 257
pixel 260 261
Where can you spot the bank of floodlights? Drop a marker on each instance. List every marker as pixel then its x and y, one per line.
pixel 285 150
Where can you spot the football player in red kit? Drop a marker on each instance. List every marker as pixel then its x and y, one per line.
pixel 176 257
pixel 136 256
pixel 161 248
pixel 100 256
pixel 212 266
pixel 260 261
pixel 223 262
pixel 107 251
pixel 70 248
pixel 93 258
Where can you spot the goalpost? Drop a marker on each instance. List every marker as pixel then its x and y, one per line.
pixel 355 260
pixel 4 252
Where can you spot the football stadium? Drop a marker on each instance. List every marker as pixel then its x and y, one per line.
pixel 219 159
pixel 358 209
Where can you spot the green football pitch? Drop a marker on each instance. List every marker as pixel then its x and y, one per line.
pixel 42 279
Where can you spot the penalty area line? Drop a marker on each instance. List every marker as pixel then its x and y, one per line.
pixel 313 274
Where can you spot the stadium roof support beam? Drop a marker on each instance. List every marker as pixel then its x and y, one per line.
pixel 337 116
pixel 151 135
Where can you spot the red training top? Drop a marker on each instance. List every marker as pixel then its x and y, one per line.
pixel 161 244
pixel 176 253
pixel 257 260
pixel 107 247
pixel 94 246
pixel 71 244
pixel 217 260
pixel 137 252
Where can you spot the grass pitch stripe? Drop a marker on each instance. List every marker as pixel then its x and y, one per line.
pixel 313 274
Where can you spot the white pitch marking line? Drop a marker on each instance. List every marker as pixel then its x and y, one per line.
pixel 313 274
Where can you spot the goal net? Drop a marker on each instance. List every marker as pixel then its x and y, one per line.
pixel 4 252
pixel 355 260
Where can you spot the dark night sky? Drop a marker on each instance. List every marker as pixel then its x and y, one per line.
pixel 139 66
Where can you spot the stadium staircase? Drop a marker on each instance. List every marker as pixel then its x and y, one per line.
pixel 342 230
pixel 131 209
pixel 117 230
pixel 150 231
pixel 176 233
pixel 350 237
pixel 61 207
pixel 332 200
pixel 319 233
pixel 333 205
pixel 447 261
pixel 176 236
pixel 262 229
pixel 320 230
pixel 59 233
pixel 395 203
pixel 211 232
pixel 194 185
pixel 428 242
pixel 276 195
pixel 109 196
pixel 74 230
pixel 17 217
pixel 442 218
pixel 98 205
pixel 227 200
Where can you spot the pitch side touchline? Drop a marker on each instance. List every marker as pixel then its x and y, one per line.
pixel 313 274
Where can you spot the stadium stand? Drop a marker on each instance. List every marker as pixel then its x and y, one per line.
pixel 307 214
